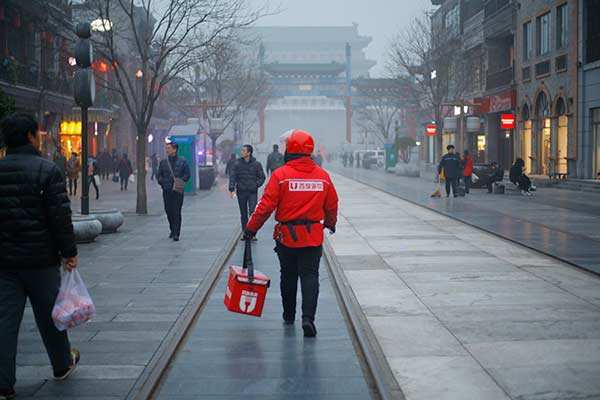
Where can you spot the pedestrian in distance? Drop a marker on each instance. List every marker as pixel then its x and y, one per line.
pixel 305 202
pixel 125 169
pixel 36 234
pixel 451 165
pixel 517 176
pixel 274 160
pixel 92 175
pixel 154 165
pixel 467 170
pixel 173 173
pixel 73 170
pixel 61 162
pixel 246 177
pixel 230 164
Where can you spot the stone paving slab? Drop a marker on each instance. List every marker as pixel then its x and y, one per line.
pixel 229 355
pixel 140 282
pixel 483 323
pixel 561 223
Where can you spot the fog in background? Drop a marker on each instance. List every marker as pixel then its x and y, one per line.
pixel 380 19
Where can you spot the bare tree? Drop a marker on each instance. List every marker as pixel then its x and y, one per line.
pixel 149 43
pixel 381 110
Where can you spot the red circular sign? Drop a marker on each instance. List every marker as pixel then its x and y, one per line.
pixel 431 130
pixel 507 121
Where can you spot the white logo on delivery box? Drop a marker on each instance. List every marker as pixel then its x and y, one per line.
pixel 248 301
pixel 305 186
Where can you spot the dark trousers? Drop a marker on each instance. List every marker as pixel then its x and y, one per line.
pixel 524 183
pixel 468 183
pixel 490 185
pixel 124 182
pixel 173 204
pixel 92 181
pixel 41 288
pixel 451 183
pixel 300 263
pixel 247 202
pixel 154 171
pixel 73 186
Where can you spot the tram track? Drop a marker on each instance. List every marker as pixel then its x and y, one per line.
pixel 377 373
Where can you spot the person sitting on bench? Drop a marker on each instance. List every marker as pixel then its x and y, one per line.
pixel 496 175
pixel 518 177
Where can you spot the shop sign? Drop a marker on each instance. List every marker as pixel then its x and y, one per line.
pixel 70 128
pixel 507 121
pixel 431 130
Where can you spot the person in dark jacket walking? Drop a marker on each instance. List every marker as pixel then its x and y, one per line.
pixel 36 234
pixel 125 170
pixel 154 165
pixel 73 170
pixel 245 179
pixel 61 162
pixel 169 169
pixel 275 160
pixel 230 164
pixel 451 165
pixel 518 177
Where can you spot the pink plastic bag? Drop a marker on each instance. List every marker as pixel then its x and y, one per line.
pixel 73 306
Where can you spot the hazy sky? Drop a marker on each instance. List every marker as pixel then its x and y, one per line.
pixel 380 19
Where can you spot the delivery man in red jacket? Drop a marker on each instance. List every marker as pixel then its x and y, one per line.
pixel 305 202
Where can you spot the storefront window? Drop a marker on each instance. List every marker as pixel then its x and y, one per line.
pixel 526 145
pixel 480 148
pixel 596 133
pixel 562 143
pixel 448 138
pixel 547 162
pixel 70 137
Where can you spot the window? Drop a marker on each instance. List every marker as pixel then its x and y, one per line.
pixel 527 41
pixel 561 26
pixel 543 34
pixel 592 30
pixel 453 21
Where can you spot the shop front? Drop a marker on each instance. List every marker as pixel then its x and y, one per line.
pixel 526 138
pixel 99 132
pixel 499 140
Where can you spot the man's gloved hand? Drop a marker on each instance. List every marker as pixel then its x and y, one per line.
pixel 248 235
pixel 331 229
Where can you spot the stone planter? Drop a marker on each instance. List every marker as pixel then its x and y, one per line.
pixel 111 220
pixel 87 228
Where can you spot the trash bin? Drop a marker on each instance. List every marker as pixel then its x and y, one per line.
pixel 206 177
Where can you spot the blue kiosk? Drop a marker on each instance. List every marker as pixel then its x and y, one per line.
pixel 185 137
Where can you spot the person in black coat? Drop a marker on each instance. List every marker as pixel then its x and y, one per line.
pixel 451 164
pixel 125 169
pixel 36 235
pixel 245 179
pixel 230 164
pixel 169 169
pixel 275 160
pixel 518 177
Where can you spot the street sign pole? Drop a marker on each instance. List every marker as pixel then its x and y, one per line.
pixel 85 190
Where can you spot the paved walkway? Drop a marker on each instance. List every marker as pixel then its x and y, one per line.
pixel 561 223
pixel 462 314
pixel 230 356
pixel 140 282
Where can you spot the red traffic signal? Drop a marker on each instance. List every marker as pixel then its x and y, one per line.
pixel 507 121
pixel 431 129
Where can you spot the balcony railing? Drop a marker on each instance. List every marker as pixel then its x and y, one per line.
pixel 542 68
pixel 526 72
pixel 496 79
pixel 499 18
pixel 17 74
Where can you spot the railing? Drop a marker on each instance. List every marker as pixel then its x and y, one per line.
pixel 542 68
pixel 560 63
pixel 503 77
pixel 29 76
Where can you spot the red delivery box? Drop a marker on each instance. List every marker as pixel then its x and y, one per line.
pixel 246 289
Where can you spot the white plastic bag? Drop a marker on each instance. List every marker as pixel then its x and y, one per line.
pixel 132 178
pixel 73 305
pixel 97 180
pixel 474 178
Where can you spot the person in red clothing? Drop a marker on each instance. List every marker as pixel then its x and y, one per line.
pixel 467 170
pixel 305 202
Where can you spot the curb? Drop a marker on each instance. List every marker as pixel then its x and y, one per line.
pixel 381 372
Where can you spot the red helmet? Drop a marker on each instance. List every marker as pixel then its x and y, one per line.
pixel 300 142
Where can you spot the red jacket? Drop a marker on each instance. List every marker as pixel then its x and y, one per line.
pixel 300 190
pixel 468 167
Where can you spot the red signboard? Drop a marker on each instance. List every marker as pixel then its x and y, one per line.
pixel 431 130
pixel 507 121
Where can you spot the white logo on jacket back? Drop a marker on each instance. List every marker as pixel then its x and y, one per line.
pixel 295 185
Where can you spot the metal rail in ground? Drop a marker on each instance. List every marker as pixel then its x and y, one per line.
pixel 366 343
pixel 146 385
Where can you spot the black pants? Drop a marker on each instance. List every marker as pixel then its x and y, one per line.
pixel 490 185
pixel 124 182
pixel 92 181
pixel 173 204
pixel 468 183
pixel 41 288
pixel 73 186
pixel 154 171
pixel 300 263
pixel 247 202
pixel 451 183
pixel 524 183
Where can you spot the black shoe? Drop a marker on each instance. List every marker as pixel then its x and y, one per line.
pixel 176 238
pixel 288 322
pixel 7 394
pixel 455 195
pixel 64 374
pixel 309 328
pixel 171 235
pixel 254 239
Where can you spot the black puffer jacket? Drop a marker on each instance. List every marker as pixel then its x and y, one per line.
pixel 246 176
pixel 35 212
pixel 180 168
pixel 451 165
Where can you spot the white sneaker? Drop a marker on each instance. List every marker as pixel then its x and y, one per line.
pixel 523 193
